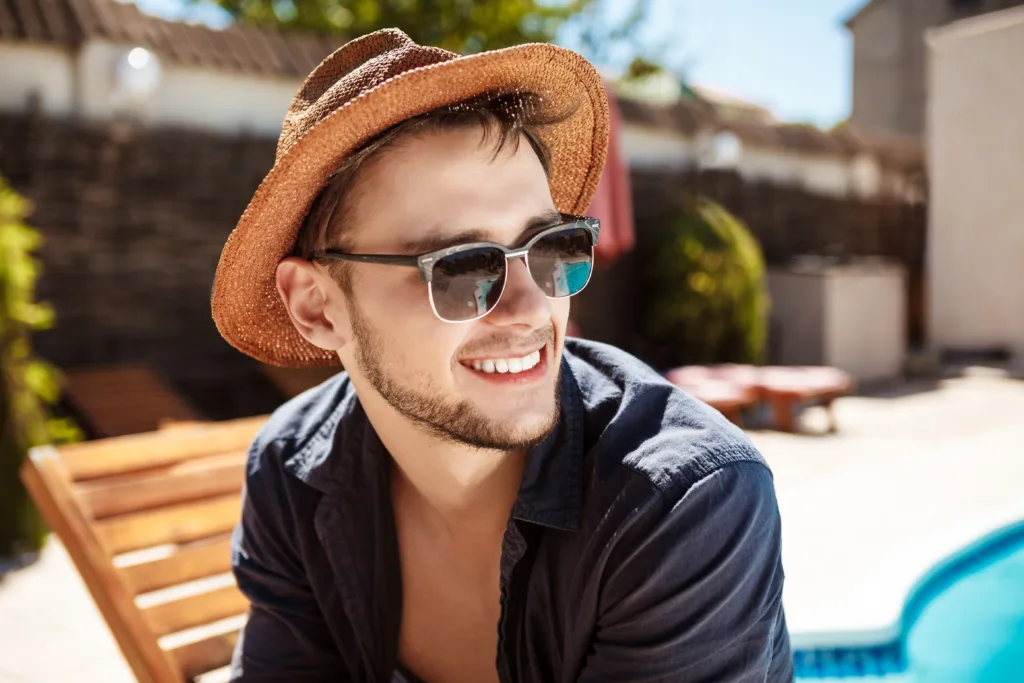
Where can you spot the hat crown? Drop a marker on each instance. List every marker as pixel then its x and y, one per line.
pixel 353 69
pixel 366 87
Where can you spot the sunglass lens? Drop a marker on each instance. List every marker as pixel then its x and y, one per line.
pixel 467 284
pixel 561 262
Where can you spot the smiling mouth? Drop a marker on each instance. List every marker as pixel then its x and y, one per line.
pixel 512 365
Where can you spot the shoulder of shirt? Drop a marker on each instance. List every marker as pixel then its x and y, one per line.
pixel 634 418
pixel 300 422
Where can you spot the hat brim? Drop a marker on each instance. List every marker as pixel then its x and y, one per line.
pixel 246 307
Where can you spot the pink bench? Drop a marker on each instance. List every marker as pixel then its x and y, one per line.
pixel 732 388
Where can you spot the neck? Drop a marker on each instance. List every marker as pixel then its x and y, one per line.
pixel 463 488
pixel 463 491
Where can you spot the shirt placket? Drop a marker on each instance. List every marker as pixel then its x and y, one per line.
pixel 513 547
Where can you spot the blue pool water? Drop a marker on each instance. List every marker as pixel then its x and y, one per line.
pixel 964 624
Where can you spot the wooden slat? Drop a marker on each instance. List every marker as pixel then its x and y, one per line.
pixel 124 399
pixel 221 675
pixel 52 493
pixel 175 524
pixel 196 610
pixel 136 452
pixel 178 483
pixel 205 655
pixel 194 561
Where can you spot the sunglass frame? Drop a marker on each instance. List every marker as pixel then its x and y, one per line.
pixel 425 262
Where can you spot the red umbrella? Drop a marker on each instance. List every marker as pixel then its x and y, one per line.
pixel 613 202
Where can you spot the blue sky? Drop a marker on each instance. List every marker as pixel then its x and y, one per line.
pixel 792 56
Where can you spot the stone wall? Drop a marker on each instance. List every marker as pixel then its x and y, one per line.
pixel 134 221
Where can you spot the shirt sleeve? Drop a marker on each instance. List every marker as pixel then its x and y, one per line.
pixel 694 592
pixel 286 639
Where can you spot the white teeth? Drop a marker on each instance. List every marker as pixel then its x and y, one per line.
pixel 508 365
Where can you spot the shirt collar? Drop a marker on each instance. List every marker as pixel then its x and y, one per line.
pixel 551 492
pixel 341 460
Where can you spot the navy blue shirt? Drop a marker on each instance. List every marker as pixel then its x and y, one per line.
pixel 645 543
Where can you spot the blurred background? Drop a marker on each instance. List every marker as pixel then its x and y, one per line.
pixel 813 220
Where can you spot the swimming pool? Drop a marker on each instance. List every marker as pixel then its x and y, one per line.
pixel 964 623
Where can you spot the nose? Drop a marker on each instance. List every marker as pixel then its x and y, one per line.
pixel 522 301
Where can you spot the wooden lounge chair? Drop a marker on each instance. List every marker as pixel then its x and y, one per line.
pixel 123 399
pixel 147 521
pixel 731 387
pixel 728 398
pixel 785 388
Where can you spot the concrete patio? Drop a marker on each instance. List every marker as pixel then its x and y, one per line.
pixel 912 476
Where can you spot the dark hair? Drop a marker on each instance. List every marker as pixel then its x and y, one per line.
pixel 503 119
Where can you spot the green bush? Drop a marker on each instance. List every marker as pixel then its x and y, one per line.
pixel 704 285
pixel 27 384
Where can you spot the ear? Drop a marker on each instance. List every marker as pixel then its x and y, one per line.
pixel 314 302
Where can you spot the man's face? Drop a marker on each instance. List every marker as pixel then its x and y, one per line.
pixel 435 190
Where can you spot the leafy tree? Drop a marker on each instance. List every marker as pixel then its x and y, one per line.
pixel 606 31
pixel 464 26
pixel 641 67
pixel 26 383
pixel 609 32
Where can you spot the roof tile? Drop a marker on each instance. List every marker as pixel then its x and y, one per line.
pixel 55 15
pixel 244 48
pixel 83 14
pixel 8 24
pixel 262 56
pixel 689 117
pixel 29 19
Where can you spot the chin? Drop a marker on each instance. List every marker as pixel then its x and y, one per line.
pixel 533 423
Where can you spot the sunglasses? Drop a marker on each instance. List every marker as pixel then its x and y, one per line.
pixel 465 282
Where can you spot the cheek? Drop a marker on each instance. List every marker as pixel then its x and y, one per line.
pixel 392 294
pixel 400 312
pixel 560 312
pixel 429 349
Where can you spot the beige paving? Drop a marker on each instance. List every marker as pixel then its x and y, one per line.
pixel 907 481
pixel 50 630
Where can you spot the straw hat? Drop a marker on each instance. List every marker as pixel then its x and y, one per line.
pixel 364 88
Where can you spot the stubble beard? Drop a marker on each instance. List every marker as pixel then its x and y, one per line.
pixel 453 421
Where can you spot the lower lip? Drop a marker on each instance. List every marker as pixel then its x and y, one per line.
pixel 524 377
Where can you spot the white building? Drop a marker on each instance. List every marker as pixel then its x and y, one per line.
pixel 97 60
pixel 976 142
pixel 688 132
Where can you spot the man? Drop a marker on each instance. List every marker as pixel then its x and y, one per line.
pixel 477 498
